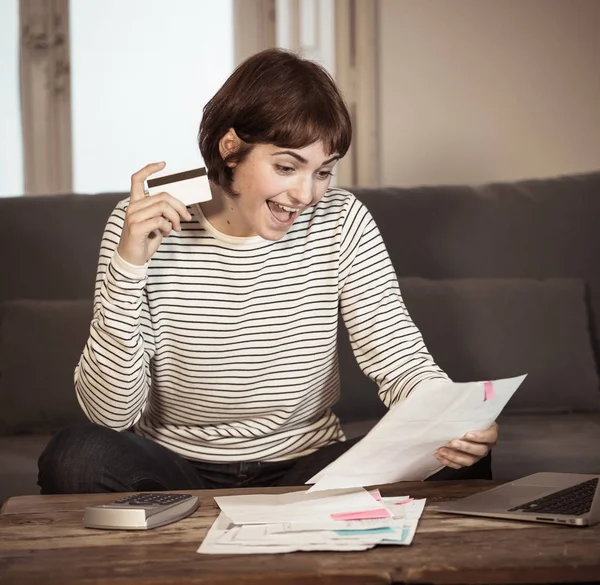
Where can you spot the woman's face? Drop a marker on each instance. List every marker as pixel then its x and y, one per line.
pixel 275 185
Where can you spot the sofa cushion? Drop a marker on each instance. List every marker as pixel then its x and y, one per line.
pixel 481 329
pixel 554 442
pixel 19 455
pixel 40 344
pixel 540 228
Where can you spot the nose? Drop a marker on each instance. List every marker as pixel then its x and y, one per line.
pixel 304 192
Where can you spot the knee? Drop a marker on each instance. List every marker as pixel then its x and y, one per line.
pixel 72 459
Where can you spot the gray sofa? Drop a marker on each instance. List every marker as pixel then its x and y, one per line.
pixel 502 279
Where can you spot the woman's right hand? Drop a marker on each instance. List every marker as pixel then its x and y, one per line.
pixel 148 219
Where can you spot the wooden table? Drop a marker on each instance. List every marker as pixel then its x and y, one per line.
pixel 42 540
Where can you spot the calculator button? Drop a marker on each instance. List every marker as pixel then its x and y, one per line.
pixel 153 499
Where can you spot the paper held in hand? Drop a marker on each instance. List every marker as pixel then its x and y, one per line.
pixel 401 446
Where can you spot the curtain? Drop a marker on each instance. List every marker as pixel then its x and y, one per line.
pixel 254 27
pixel 45 96
pixel 356 44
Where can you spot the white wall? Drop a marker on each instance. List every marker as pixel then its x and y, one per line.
pixel 142 70
pixel 481 90
pixel 11 145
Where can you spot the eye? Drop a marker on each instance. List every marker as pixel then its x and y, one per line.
pixel 324 175
pixel 284 170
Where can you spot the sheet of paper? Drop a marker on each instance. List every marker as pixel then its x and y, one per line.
pixel 212 545
pixel 401 446
pixel 258 534
pixel 329 525
pixel 295 506
pixel 413 512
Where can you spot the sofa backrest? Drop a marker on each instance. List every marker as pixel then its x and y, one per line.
pixel 537 244
pixel 543 228
pixel 536 230
pixel 49 245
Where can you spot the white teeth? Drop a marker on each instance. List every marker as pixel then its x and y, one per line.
pixel 286 208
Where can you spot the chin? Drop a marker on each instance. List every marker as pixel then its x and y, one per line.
pixel 272 235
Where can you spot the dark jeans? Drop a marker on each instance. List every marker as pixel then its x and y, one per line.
pixel 89 458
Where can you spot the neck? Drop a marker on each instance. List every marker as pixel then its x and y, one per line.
pixel 221 211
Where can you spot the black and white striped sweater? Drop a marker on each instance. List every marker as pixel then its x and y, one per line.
pixel 224 348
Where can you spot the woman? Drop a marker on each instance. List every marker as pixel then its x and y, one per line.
pixel 211 360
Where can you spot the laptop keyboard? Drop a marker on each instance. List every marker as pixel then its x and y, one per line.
pixel 573 501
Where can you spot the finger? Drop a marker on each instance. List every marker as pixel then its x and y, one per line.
pixel 155 227
pixel 165 227
pixel 446 462
pixel 458 457
pixel 138 178
pixel 477 449
pixel 172 201
pixel 155 209
pixel 158 208
pixel 488 437
pixel 453 458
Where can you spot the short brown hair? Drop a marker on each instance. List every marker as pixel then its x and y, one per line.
pixel 274 97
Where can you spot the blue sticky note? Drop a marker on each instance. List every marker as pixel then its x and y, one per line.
pixel 365 531
pixel 403 538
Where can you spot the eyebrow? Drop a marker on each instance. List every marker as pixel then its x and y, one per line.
pixel 302 160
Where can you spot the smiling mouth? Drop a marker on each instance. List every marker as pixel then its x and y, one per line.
pixel 282 213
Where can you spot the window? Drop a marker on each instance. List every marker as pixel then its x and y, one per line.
pixel 11 155
pixel 141 72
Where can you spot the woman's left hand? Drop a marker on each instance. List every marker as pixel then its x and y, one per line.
pixel 469 449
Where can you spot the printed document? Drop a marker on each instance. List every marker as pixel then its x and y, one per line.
pixel 401 446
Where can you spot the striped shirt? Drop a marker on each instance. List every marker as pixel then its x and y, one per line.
pixel 224 348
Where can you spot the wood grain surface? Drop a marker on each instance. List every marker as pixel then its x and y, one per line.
pixel 42 540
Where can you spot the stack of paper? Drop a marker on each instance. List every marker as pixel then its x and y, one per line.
pixel 339 520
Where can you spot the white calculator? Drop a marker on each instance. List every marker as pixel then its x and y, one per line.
pixel 140 511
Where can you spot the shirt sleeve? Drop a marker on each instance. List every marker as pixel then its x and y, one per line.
pixel 112 378
pixel 386 343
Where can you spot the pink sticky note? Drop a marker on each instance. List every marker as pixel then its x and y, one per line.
pixel 404 502
pixel 488 391
pixel 376 495
pixel 364 515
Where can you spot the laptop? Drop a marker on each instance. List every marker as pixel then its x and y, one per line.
pixel 560 498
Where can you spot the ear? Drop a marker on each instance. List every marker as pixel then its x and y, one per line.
pixel 229 144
